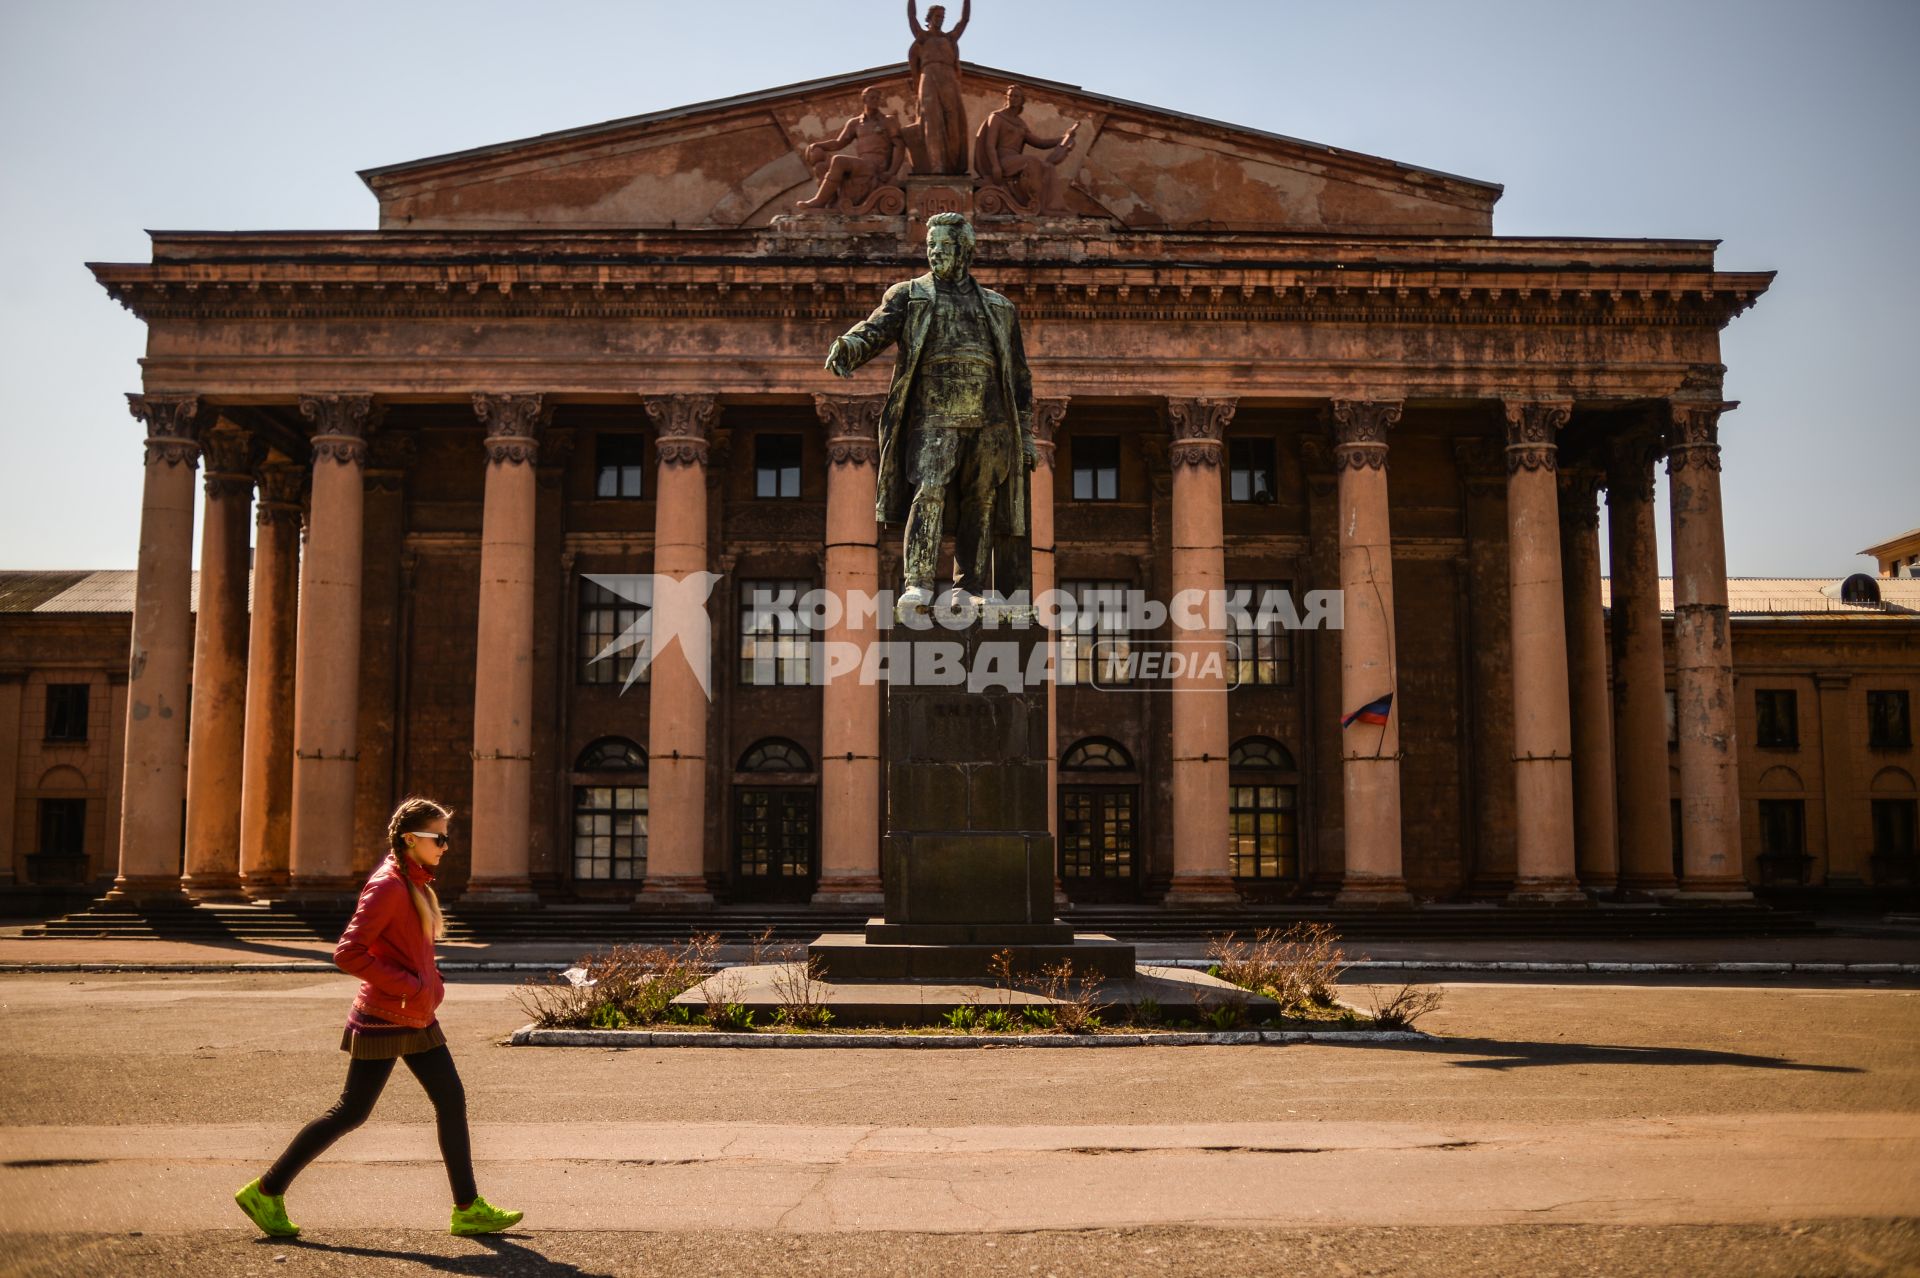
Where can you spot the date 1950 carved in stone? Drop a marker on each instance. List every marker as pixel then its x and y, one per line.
pixel 859 170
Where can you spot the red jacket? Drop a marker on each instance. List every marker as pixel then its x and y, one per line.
pixel 388 949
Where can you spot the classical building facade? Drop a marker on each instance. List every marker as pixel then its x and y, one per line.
pixel 1257 361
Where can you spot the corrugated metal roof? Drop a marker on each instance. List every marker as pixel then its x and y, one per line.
pixel 1798 596
pixel 103 590
pixel 26 591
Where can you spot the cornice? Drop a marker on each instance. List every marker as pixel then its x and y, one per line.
pixel 830 290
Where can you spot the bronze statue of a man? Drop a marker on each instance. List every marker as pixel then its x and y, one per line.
pixel 956 434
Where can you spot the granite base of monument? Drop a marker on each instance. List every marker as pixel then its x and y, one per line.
pixel 968 861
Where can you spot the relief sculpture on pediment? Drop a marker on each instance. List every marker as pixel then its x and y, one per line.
pixel 859 170
pixel 1010 180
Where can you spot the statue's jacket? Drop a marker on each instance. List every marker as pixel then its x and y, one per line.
pixel 904 318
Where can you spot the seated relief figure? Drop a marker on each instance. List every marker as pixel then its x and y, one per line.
pixel 859 170
pixel 1010 179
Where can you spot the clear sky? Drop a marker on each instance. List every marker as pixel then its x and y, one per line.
pixel 1790 131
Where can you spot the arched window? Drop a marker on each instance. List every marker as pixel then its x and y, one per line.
pixel 1264 826
pixel 1097 754
pixel 612 754
pixel 1098 820
pixel 775 754
pixel 1261 752
pixel 610 812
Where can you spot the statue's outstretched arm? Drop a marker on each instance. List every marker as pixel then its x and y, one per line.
pixel 913 20
pixel 966 12
pixel 871 335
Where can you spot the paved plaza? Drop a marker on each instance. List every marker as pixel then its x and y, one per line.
pixel 1665 1127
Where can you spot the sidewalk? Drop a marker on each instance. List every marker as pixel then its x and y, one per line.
pixel 1827 955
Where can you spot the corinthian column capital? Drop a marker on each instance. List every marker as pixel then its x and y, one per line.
pixel 281 487
pixel 685 423
pixel 173 427
pixel 1199 426
pixel 1693 433
pixel 1048 413
pixel 853 426
pixel 513 423
pixel 341 424
pixel 229 457
pixel 1533 427
pixel 1359 428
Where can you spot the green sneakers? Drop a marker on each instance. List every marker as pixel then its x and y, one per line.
pixel 269 1211
pixel 482 1217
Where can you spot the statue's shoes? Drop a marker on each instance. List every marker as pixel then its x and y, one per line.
pixel 915 597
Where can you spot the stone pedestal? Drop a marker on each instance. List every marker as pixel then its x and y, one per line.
pixel 968 859
pixel 966 834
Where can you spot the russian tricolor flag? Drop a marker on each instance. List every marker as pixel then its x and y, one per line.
pixel 1372 712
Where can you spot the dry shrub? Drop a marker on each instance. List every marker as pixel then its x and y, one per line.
pixel 628 984
pixel 797 984
pixel 1298 966
pixel 1405 1006
pixel 1076 1001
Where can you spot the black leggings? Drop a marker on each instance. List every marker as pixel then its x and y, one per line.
pixel 365 1079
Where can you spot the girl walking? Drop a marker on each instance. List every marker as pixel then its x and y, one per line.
pixel 389 946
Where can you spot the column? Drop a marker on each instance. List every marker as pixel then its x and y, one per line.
pixel 1596 839
pixel 266 777
pixel 850 708
pixel 154 779
pixel 1637 647
pixel 503 654
pixel 1369 753
pixel 1048 413
pixel 1487 733
pixel 327 661
pixel 1202 865
pixel 383 525
pixel 1542 729
pixel 215 747
pixel 1712 869
pixel 677 699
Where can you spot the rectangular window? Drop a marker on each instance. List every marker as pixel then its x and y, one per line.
pixel 1783 827
pixel 773 646
pixel 1673 717
pixel 1264 838
pixel 610 832
pixel 1888 725
pixel 1250 470
pixel 1262 647
pixel 776 466
pixel 67 711
pixel 1893 827
pixel 1096 468
pixel 1777 713
pixel 1096 646
pixel 604 618
pixel 620 462
pixel 63 827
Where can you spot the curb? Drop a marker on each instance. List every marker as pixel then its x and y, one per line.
pixel 1363 967
pixel 527 1036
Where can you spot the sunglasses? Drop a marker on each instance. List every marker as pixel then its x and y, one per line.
pixel 439 840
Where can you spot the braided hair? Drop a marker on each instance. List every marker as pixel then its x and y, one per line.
pixel 415 813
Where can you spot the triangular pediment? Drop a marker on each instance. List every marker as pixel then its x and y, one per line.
pixel 738 162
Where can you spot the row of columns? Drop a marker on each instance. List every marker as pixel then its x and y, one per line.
pixel 1586 776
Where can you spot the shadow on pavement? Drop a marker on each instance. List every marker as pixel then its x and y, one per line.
pixel 1508 1055
pixel 507 1257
